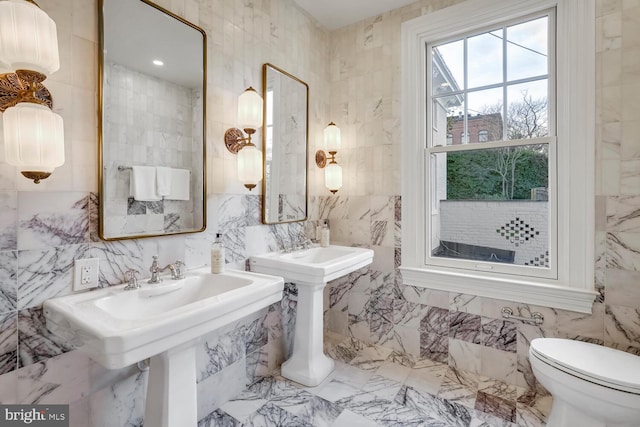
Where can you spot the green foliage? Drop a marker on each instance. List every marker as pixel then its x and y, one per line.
pixel 472 174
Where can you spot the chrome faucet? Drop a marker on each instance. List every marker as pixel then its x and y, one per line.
pixel 156 270
pixel 132 280
pixel 178 272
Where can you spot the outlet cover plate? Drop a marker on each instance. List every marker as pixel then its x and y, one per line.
pixel 85 273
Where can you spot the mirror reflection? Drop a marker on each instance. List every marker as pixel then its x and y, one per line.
pixel 152 92
pixel 285 137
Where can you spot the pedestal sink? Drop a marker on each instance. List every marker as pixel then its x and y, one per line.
pixel 118 327
pixel 310 269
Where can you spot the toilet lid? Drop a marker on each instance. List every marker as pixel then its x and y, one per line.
pixel 601 365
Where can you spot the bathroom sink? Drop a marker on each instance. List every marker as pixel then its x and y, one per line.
pixel 118 328
pixel 313 265
pixel 310 269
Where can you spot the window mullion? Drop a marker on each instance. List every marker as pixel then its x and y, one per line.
pixel 465 129
pixel 489 145
pixel 491 86
pixel 504 84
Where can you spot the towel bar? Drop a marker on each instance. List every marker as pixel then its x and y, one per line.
pixel 536 317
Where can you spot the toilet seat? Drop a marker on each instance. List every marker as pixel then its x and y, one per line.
pixel 595 363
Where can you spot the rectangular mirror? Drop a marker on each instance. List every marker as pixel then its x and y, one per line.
pixel 152 88
pixel 285 146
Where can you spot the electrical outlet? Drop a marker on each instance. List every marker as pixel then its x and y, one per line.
pixel 85 273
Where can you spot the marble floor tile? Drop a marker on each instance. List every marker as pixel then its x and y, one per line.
pixel 316 411
pixel 280 391
pixel 377 389
pixel 336 390
pixel 427 376
pixel 394 371
pixel 351 375
pixel 345 351
pixel 383 412
pixel 403 359
pixel 532 409
pixel 270 415
pixel 482 419
pixel 219 418
pixel 350 419
pixel 371 358
pixel 497 406
pixel 497 388
pixel 244 405
pixel 460 387
pixel 435 408
pixel 383 388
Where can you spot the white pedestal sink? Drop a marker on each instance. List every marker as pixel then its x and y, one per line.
pixel 310 270
pixel 118 328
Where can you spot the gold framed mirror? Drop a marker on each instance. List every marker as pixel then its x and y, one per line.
pixel 152 96
pixel 285 146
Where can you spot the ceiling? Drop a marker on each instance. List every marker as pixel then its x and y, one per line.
pixel 334 14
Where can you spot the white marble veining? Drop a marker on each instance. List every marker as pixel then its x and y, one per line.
pixel 50 219
pixel 349 72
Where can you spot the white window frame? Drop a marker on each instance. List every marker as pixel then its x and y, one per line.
pixel 573 287
pixel 466 144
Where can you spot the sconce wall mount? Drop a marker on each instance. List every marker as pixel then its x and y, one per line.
pixel 23 86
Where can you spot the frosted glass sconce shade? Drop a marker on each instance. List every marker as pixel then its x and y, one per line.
pixel 332 138
pixel 332 171
pixel 250 110
pixel 249 166
pixel 333 177
pixel 33 140
pixel 249 157
pixel 28 38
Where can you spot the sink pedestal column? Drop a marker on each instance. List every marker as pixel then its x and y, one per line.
pixel 308 364
pixel 171 389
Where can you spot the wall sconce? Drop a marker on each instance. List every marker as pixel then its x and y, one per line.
pixel 33 134
pixel 249 157
pixel 332 170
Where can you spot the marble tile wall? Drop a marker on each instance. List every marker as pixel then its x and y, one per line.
pixel 465 331
pixel 44 228
pixel 353 75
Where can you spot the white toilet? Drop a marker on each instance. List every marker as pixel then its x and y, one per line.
pixel 591 385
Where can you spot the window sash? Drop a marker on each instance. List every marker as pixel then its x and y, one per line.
pixel 431 199
pixel 550 76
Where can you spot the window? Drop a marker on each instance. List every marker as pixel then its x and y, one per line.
pixel 499 78
pixel 492 233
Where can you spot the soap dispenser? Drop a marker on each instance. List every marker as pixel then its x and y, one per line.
pixel 324 234
pixel 217 255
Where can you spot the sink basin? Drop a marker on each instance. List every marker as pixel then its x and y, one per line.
pixel 118 328
pixel 313 265
pixel 162 322
pixel 310 269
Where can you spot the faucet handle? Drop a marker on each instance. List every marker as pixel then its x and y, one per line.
pixel 131 276
pixel 178 273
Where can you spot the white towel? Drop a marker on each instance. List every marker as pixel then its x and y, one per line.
pixel 180 184
pixel 142 185
pixel 163 181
